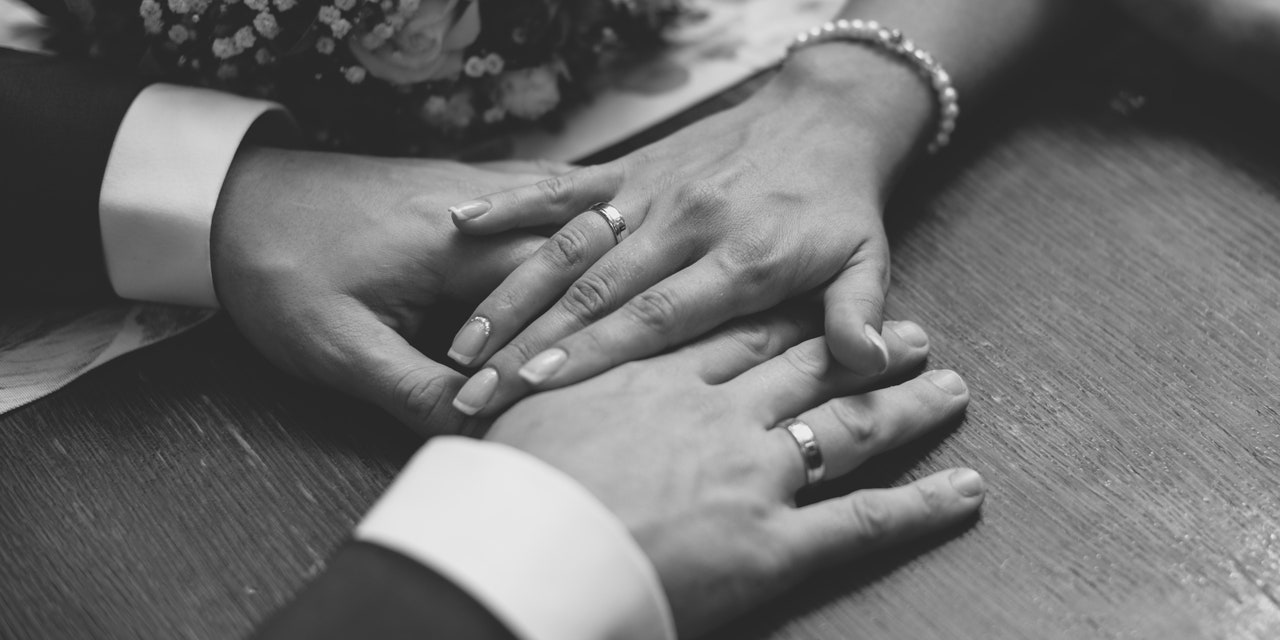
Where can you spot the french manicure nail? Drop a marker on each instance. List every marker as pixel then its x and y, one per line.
pixel 948 381
pixel 543 366
pixel 878 343
pixel 911 333
pixel 470 340
pixel 470 210
pixel 968 483
pixel 475 394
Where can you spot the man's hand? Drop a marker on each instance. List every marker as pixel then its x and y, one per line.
pixel 680 448
pixel 328 262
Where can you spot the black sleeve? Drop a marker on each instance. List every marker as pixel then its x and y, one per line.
pixel 58 120
pixel 370 592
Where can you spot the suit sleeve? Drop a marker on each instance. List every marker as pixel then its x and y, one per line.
pixel 58 120
pixel 368 591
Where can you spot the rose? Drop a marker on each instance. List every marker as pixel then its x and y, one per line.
pixel 529 93
pixel 428 47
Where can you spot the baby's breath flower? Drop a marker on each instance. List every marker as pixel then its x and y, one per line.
pixel 344 5
pixel 244 38
pixel 228 72
pixel 372 41
pixel 494 114
pixel 257 5
pixel 149 8
pixel 152 24
pixel 340 28
pixel 285 5
pixel 493 63
pixel 475 67
pixel 384 31
pixel 435 106
pixel 409 7
pixel 178 34
pixel 263 56
pixel 355 75
pixel 328 14
pixel 324 45
pixel 179 6
pixel 266 24
pixel 224 48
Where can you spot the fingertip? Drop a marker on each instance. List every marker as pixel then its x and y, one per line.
pixel 859 347
pixel 468 211
pixel 968 483
pixel 911 334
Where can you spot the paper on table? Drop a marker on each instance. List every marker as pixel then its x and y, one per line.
pixel 42 350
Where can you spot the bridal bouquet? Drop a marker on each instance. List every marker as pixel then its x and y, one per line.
pixel 424 77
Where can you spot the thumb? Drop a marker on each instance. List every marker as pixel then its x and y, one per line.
pixel 370 360
pixel 854 310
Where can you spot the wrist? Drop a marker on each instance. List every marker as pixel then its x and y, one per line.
pixel 880 106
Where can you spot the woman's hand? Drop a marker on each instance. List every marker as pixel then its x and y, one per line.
pixel 328 262
pixel 680 448
pixel 730 216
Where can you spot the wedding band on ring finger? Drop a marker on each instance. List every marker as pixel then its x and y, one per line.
pixel 806 440
pixel 611 215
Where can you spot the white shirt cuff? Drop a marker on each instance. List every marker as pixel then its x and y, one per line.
pixel 525 540
pixel 164 174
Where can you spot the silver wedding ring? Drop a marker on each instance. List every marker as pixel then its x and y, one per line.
pixel 617 223
pixel 814 467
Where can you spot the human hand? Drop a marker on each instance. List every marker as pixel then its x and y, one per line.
pixel 731 216
pixel 1237 37
pixel 680 448
pixel 328 263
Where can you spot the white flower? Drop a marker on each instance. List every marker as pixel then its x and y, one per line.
pixel 179 6
pixel 340 28
pixel 529 93
pixel 428 47
pixel 224 48
pixel 266 24
pixel 494 114
pixel 263 57
pixel 285 5
pixel 228 72
pixel 257 5
pixel 494 64
pixel 152 24
pixel 244 38
pixel 455 113
pixel 344 5
pixel 328 14
pixel 149 9
pixel 355 75
pixel 474 67
pixel 179 34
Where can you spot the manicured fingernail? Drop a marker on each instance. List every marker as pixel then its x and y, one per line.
pixel 968 483
pixel 470 210
pixel 948 381
pixel 470 340
pixel 543 365
pixel 911 333
pixel 878 343
pixel 475 394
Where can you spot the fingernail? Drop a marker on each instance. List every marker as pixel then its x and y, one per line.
pixel 543 365
pixel 911 333
pixel 475 394
pixel 470 340
pixel 470 210
pixel 968 483
pixel 878 342
pixel 948 381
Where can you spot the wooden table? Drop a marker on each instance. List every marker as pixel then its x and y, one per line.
pixel 1107 284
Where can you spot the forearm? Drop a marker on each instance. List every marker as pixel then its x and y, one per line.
pixel 978 42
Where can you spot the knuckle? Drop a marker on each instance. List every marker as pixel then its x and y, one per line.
pixel 422 398
pixel 703 198
pixel 749 261
pixel 567 248
pixel 930 497
pixel 556 191
pixel 756 340
pixel 809 359
pixel 862 431
pixel 589 298
pixel 872 519
pixel 655 310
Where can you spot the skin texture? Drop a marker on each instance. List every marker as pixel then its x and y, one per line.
pixel 1240 38
pixel 680 448
pixel 780 196
pixel 328 263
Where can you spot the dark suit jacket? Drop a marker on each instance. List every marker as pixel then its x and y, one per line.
pixel 58 119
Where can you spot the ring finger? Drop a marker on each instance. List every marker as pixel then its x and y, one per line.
pixel 847 431
pixel 533 286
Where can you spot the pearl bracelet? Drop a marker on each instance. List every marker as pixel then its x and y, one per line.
pixel 892 41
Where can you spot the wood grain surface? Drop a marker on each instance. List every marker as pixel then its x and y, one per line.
pixel 1106 283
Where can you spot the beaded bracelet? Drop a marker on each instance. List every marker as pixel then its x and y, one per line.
pixel 892 41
